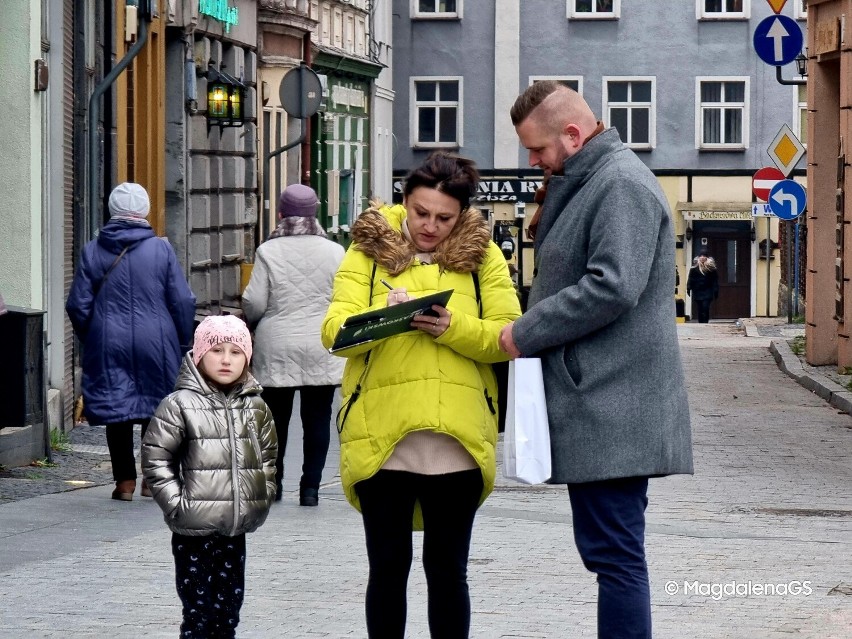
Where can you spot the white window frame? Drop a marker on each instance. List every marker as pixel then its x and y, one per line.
pixel 746 107
pixel 559 78
pixel 652 106
pixel 594 14
pixel 701 14
pixel 414 131
pixel 417 14
pixel 798 107
pixel 799 12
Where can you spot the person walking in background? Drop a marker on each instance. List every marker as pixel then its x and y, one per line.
pixel 703 285
pixel 601 318
pixel 133 312
pixel 418 428
pixel 287 297
pixel 209 458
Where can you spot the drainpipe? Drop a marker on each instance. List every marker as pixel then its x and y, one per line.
pixel 94 113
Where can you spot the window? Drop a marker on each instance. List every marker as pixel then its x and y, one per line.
pixel 337 29
pixel 571 81
pixel 436 113
pixel 594 9
pixel 722 113
pixel 800 9
pixel 628 105
pixel 801 128
pixel 722 9
pixel 441 9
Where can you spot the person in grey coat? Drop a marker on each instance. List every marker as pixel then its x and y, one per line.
pixel 601 318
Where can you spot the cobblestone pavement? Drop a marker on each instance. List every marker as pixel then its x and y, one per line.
pixel 83 463
pixel 755 545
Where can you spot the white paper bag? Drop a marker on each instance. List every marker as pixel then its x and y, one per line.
pixel 526 441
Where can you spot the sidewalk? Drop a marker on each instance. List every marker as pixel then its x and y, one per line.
pixel 755 545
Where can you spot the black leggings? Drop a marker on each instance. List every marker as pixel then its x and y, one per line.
pixel 210 579
pixel 449 504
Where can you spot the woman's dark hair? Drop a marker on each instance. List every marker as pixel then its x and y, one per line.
pixel 448 173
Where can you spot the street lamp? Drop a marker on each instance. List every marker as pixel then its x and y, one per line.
pixel 225 98
pixel 802 64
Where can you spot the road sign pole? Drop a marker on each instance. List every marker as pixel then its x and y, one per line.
pixel 789 272
pixel 796 270
pixel 768 259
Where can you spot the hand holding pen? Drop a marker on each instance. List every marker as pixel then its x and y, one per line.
pixel 396 295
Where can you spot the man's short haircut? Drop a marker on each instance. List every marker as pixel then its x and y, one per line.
pixel 535 94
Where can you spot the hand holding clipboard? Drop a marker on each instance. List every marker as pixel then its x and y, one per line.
pixel 386 322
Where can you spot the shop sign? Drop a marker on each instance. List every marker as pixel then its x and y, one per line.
pixel 348 96
pixel 717 215
pixel 827 36
pixel 495 188
pixel 221 11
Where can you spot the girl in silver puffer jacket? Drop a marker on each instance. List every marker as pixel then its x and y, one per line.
pixel 209 458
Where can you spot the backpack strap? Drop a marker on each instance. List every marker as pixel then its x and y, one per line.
pixel 475 276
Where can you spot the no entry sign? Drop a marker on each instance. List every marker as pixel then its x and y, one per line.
pixel 764 180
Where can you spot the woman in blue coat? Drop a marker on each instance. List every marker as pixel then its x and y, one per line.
pixel 133 313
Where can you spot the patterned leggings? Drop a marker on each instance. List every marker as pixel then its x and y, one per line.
pixel 210 579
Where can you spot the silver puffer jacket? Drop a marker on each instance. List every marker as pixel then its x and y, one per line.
pixel 209 458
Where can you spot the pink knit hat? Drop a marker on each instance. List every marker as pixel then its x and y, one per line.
pixel 216 329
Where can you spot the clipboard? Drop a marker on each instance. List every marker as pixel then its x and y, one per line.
pixel 386 322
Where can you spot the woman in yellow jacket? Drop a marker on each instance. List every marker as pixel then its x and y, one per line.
pixel 418 427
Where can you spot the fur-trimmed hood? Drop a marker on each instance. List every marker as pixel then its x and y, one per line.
pixel 378 234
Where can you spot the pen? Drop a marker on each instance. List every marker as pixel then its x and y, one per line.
pixel 383 281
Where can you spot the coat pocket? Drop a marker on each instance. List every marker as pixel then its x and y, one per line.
pixel 572 364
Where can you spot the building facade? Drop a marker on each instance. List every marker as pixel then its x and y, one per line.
pixel 702 124
pixel 828 327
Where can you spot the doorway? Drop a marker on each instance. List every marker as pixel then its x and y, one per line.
pixel 729 244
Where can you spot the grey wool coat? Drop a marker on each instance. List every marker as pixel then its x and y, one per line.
pixel 602 318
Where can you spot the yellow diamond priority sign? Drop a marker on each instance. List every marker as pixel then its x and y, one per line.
pixel 786 150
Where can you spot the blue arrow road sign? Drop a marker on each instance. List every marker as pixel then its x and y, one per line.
pixel 787 199
pixel 778 40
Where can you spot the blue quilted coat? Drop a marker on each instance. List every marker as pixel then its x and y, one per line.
pixel 135 328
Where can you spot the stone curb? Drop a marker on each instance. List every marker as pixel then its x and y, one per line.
pixel 751 329
pixel 832 392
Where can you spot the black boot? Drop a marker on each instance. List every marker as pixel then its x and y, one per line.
pixel 279 491
pixel 308 496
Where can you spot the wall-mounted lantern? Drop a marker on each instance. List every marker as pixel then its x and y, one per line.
pixel 225 98
pixel 802 64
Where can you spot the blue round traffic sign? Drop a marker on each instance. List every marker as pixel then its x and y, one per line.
pixel 787 199
pixel 778 40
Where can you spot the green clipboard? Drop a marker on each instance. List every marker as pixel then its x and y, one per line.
pixel 385 322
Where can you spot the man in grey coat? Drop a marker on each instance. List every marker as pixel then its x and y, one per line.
pixel 602 318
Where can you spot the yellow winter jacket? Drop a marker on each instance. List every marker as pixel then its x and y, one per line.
pixel 414 381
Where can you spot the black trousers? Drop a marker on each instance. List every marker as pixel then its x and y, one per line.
pixel 210 579
pixel 703 308
pixel 315 411
pixel 449 504
pixel 120 444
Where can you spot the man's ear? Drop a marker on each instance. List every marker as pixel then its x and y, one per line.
pixel 572 132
